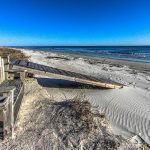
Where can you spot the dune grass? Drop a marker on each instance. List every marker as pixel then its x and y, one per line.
pixel 13 53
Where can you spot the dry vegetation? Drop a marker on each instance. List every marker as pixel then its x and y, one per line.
pixel 78 128
pixel 46 124
pixel 14 54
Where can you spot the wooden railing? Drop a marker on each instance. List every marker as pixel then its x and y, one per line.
pixel 11 94
pixel 6 112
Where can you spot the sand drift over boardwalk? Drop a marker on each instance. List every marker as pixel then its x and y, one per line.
pixel 128 108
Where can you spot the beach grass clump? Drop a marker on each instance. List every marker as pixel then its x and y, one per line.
pixel 13 53
pixel 77 126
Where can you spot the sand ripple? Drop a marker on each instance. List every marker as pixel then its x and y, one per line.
pixel 129 108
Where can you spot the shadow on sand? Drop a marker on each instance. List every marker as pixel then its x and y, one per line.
pixel 59 83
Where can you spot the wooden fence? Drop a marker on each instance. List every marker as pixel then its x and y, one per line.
pixel 11 94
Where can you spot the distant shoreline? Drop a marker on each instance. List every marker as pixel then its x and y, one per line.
pixel 123 53
pixel 143 67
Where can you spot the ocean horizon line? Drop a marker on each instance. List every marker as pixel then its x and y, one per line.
pixel 76 46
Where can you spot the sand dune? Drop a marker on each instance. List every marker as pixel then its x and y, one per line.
pixel 127 108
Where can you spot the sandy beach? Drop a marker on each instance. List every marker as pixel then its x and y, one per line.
pixel 127 109
pixel 75 75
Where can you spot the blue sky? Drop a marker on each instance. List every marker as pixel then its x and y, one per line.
pixel 74 22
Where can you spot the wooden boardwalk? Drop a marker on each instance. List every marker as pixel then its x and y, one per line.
pixel 63 74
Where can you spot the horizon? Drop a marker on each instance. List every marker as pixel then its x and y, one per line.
pixel 79 46
pixel 76 46
pixel 74 23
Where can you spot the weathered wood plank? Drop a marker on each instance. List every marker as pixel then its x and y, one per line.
pixel 23 63
pixel 67 75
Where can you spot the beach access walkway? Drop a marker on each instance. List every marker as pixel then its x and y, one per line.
pixel 39 69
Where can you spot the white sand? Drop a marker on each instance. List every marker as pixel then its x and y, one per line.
pixel 124 74
pixel 44 124
pixel 127 108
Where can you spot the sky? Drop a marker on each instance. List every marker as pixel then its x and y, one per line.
pixel 74 22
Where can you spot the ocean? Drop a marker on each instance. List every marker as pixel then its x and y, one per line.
pixel 130 53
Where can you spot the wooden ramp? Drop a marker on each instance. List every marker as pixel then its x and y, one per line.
pixel 63 74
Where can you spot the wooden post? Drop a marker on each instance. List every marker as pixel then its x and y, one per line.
pixel 7 112
pixel 6 65
pixel 2 73
pixel 1 70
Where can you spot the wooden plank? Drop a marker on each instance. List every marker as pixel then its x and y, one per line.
pixel 29 65
pixel 23 63
pixel 67 75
